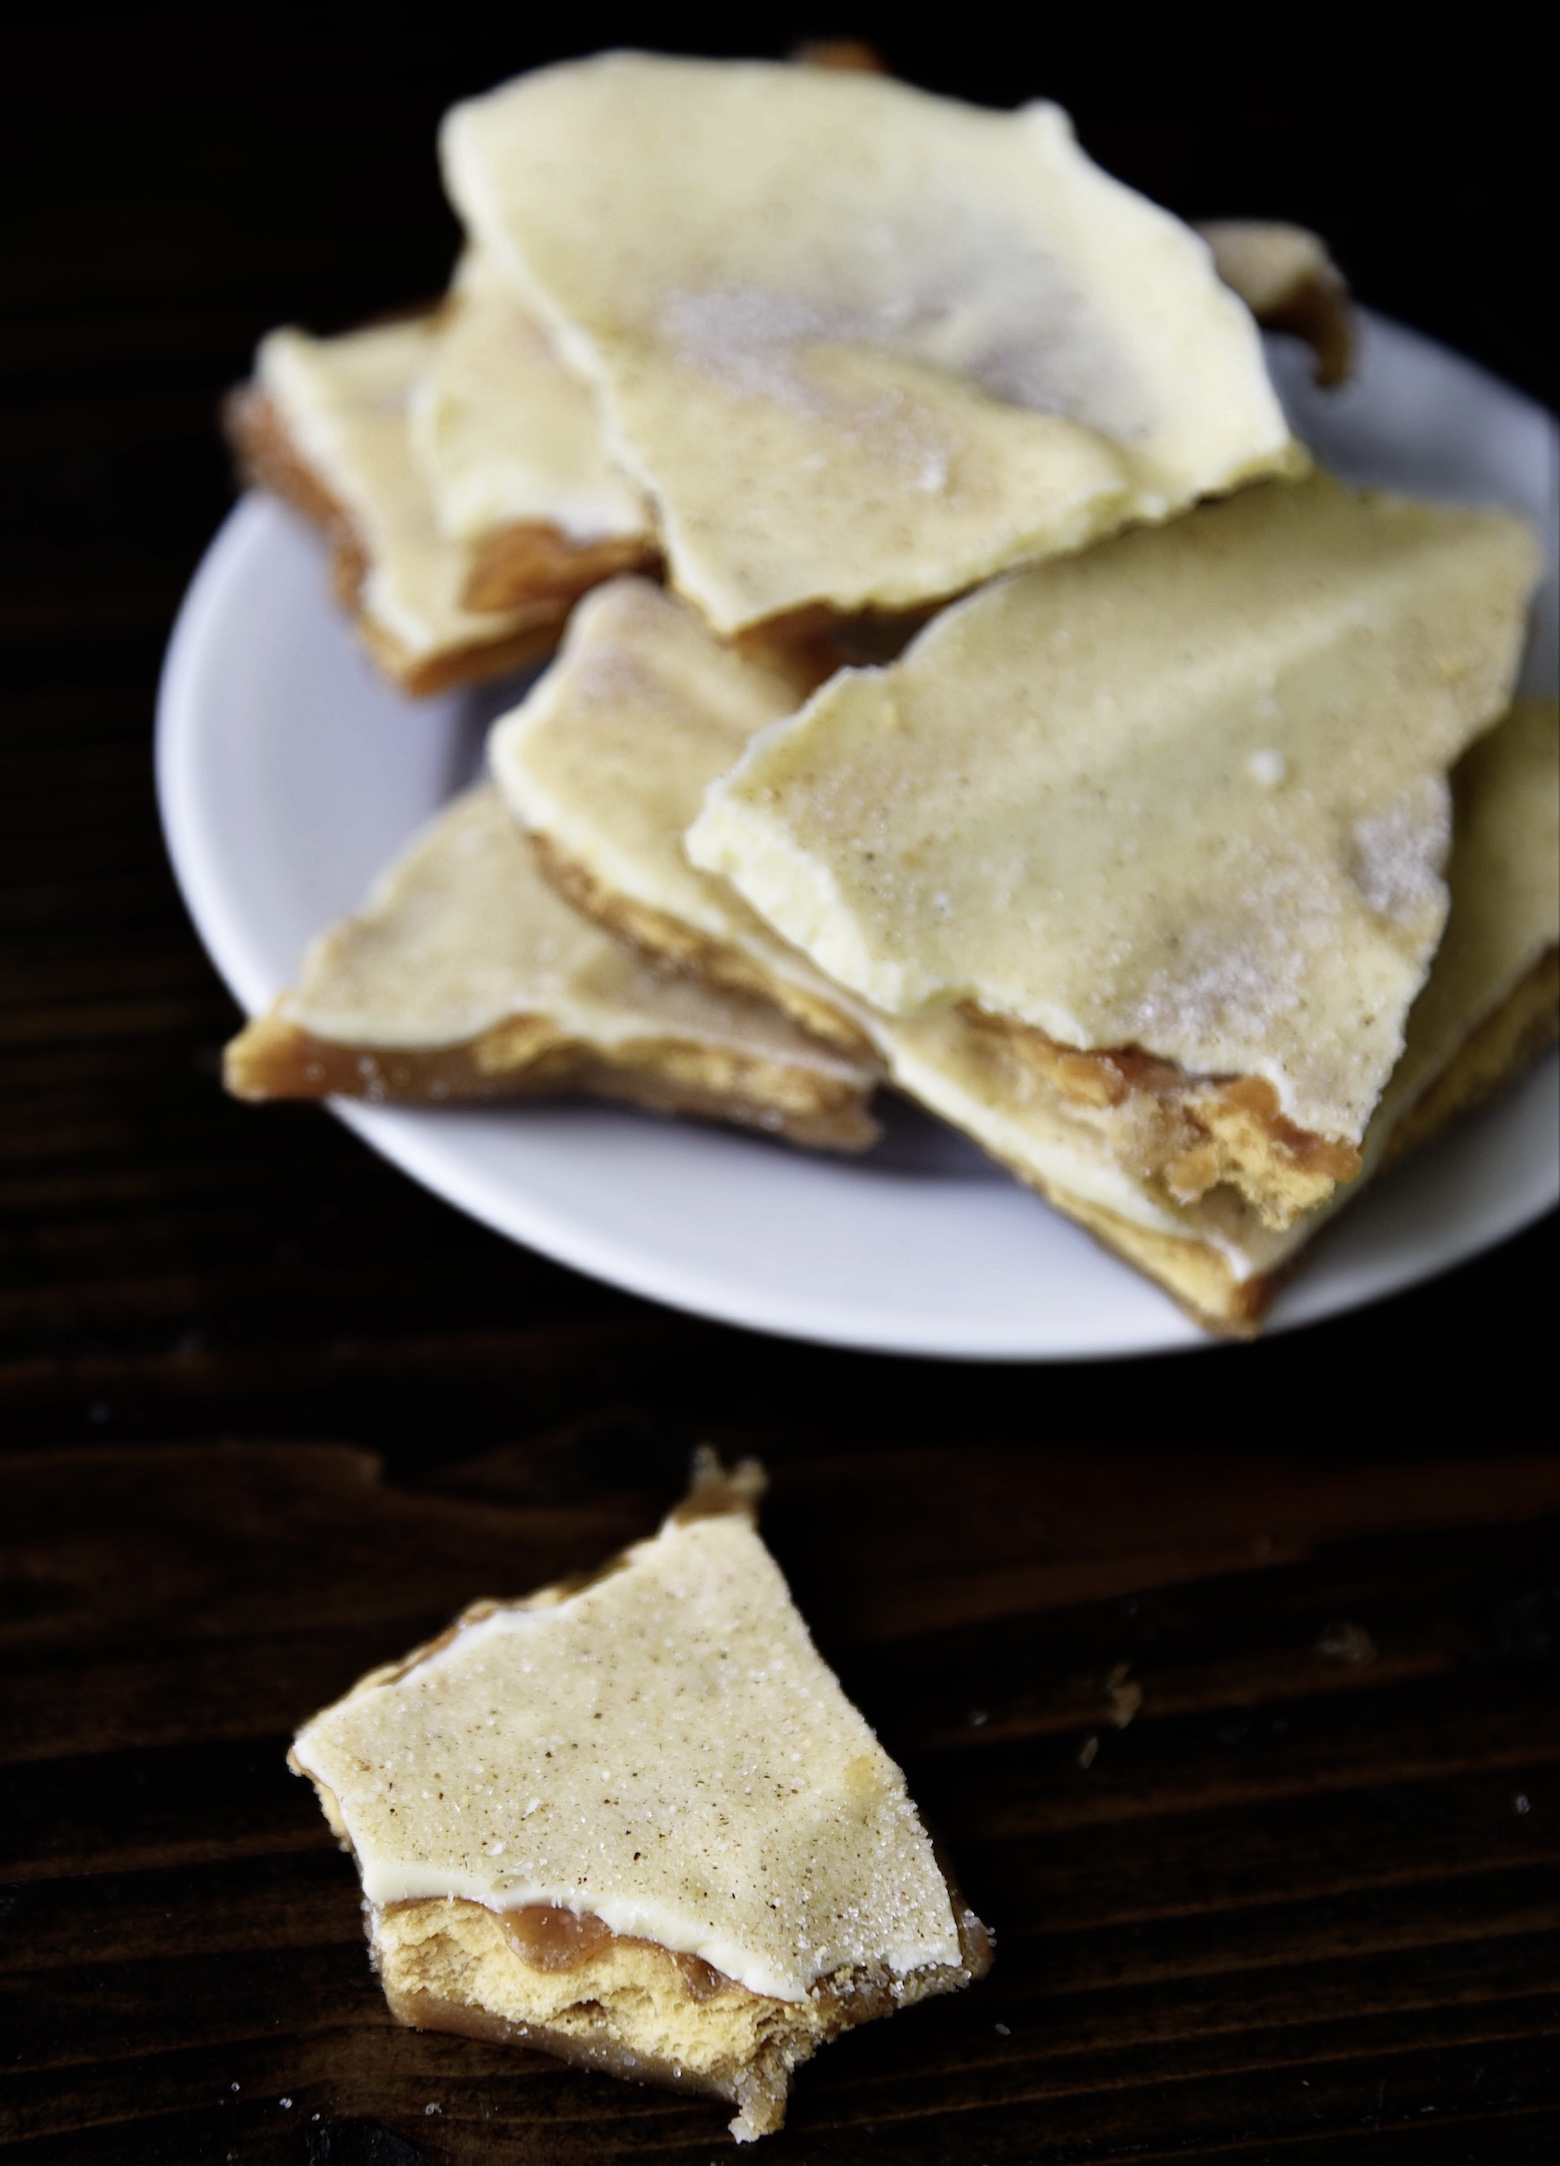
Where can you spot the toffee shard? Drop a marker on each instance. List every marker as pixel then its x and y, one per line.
pixel 325 424
pixel 502 431
pixel 639 1824
pixel 1185 794
pixel 465 976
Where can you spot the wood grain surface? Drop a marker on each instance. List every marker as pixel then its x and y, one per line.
pixel 1228 1678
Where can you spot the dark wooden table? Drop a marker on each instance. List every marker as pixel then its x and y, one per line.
pixel 1229 1678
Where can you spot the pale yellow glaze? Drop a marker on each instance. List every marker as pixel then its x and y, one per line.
pixel 1185 793
pixel 344 403
pixel 462 933
pixel 609 754
pixel 503 433
pixel 861 346
pixel 664 1750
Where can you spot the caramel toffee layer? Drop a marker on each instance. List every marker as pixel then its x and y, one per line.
pixel 1186 1135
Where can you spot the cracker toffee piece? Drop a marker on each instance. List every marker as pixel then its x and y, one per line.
pixel 1488 1005
pixel 467 977
pixel 861 346
pixel 508 443
pixel 637 1823
pixel 1171 815
pixel 605 762
pixel 327 424
pixel 323 425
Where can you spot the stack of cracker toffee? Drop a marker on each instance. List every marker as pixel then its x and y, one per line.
pixel 964 679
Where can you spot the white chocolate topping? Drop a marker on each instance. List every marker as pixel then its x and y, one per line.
pixel 609 757
pixel 1504 882
pixel 613 776
pixel 609 754
pixel 665 1751
pixel 344 403
pixel 503 433
pixel 462 933
pixel 1185 793
pixel 861 345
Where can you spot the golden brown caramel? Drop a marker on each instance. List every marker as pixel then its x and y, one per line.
pixel 516 567
pixel 1190 1133
pixel 548 1937
pixel 268 459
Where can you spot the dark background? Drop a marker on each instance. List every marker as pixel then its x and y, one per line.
pixel 1295 1907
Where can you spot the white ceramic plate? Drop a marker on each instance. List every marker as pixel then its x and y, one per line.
pixel 288 773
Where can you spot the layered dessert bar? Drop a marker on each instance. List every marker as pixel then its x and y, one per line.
pixel 467 977
pixel 637 1823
